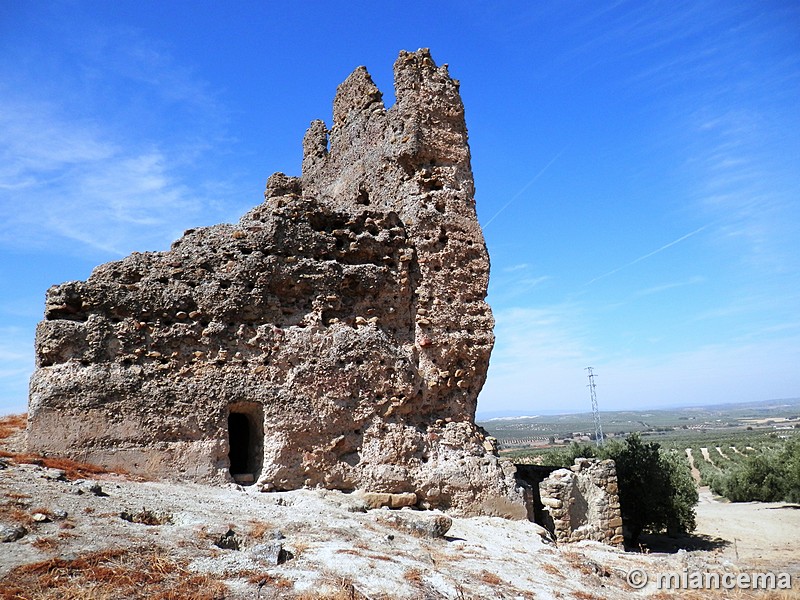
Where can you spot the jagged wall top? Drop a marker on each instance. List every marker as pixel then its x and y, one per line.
pixel 345 316
pixel 424 128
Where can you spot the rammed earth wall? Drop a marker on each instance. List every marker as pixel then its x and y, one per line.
pixel 337 336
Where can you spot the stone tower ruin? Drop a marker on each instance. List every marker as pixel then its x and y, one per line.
pixel 337 336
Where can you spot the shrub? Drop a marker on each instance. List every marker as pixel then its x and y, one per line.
pixel 566 456
pixel 656 491
pixel 773 475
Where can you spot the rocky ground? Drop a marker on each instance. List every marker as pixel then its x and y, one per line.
pixel 92 535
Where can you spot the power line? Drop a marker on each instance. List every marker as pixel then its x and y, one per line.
pixel 598 428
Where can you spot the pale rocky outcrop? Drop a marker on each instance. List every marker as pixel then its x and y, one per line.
pixel 337 336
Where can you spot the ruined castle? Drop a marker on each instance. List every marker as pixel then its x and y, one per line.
pixel 337 336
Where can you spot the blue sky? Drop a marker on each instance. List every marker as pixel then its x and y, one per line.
pixel 637 167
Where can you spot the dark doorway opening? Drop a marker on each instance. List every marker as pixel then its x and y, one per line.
pixel 533 475
pixel 245 442
pixel 239 438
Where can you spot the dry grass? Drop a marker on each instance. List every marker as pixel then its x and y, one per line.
pixel 131 573
pixel 585 596
pixel 374 556
pixel 490 578
pixel 730 594
pixel 17 496
pixel 72 468
pixel 12 424
pixel 578 561
pixel 344 589
pixel 259 528
pixel 552 569
pixel 265 579
pixel 13 513
pixel 413 575
pixel 46 544
pixel 298 548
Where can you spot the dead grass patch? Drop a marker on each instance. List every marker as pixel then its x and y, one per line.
pixel 298 548
pixel 578 561
pixel 552 569
pixel 46 544
pixel 730 594
pixel 72 468
pixel 413 575
pixel 585 596
pixel 490 578
pixel 17 496
pixel 258 529
pixel 135 573
pixel 13 513
pixel 265 579
pixel 11 424
pixel 344 589
pixel 374 556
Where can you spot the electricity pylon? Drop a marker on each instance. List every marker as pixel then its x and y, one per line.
pixel 598 428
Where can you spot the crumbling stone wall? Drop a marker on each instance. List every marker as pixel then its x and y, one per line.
pixel 582 503
pixel 342 322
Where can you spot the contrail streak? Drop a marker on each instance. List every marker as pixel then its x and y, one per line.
pixel 649 254
pixel 525 187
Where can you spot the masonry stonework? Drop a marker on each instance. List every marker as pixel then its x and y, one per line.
pixel 337 336
pixel 582 502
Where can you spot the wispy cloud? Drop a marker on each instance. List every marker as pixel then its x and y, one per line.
pixel 115 175
pixel 513 268
pixel 16 364
pixel 745 186
pixel 539 352
pixel 540 355
pixel 514 281
pixel 657 289
pixel 525 187
pixel 648 255
pixel 82 187
pixel 35 146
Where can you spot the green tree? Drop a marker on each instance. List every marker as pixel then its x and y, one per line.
pixel 683 496
pixel 791 461
pixel 656 491
pixel 566 457
pixel 773 475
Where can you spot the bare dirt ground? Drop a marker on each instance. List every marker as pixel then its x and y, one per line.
pixel 105 536
pixel 695 471
pixel 762 534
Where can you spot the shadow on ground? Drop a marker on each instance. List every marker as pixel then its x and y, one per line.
pixel 671 545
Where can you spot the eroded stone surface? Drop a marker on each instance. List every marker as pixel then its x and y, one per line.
pixel 582 503
pixel 342 323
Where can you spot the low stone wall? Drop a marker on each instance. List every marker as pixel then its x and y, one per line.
pixel 582 503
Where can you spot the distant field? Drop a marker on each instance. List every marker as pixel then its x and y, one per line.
pixel 739 425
